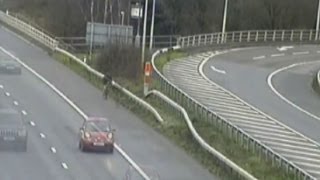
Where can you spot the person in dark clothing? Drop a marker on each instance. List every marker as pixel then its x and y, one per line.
pixel 107 82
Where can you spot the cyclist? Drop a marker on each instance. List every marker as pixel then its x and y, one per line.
pixel 107 80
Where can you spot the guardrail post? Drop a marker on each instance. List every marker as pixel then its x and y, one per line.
pixel 257 36
pixel 282 36
pixel 218 38
pixel 182 43
pixel 240 38
pixel 274 36
pixel 248 37
pixel 265 35
pixel 301 35
pixel 199 40
pixel 310 35
pixel 205 39
pixel 291 38
pixel 211 39
pixel 233 36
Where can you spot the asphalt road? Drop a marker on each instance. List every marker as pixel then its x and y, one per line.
pixel 59 123
pixel 246 76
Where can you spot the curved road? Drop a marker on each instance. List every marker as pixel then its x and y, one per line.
pixel 276 81
pixel 53 127
pixel 247 77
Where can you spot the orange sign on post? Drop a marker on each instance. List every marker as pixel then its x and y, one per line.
pixel 147 69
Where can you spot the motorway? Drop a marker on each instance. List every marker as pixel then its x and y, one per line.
pixel 53 127
pixel 275 80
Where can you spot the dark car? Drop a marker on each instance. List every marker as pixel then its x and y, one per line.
pixel 96 135
pixel 8 66
pixel 13 132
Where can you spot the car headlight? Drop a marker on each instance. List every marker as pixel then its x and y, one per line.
pixel 110 135
pixel 87 135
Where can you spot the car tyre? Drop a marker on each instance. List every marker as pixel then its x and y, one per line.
pixel 81 146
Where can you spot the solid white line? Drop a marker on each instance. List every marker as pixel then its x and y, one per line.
pixel 53 150
pixel 24 112
pixel 65 166
pixel 258 57
pixel 15 103
pixel 7 94
pixel 42 136
pixel 32 123
pixel 284 98
pixel 301 53
pixel 76 108
pixel 218 70
pixel 277 55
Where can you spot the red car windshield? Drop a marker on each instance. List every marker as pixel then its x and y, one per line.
pixel 97 126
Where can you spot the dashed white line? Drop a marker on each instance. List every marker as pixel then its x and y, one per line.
pixel 64 165
pixel 32 123
pixel 301 53
pixel 1 86
pixel 43 136
pixel 24 112
pixel 277 55
pixel 218 70
pixel 53 150
pixel 15 103
pixel 7 94
pixel 259 57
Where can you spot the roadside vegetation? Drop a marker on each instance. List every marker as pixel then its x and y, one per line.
pixel 173 17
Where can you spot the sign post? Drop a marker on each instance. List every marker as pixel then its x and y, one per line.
pixel 147 77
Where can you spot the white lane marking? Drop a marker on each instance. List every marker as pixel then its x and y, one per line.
pixel 277 55
pixel 53 150
pixel 15 103
pixel 1 86
pixel 301 158
pixel 76 108
pixel 314 172
pixel 289 141
pixel 284 98
pixel 308 164
pixel 279 135
pixel 218 70
pixel 43 136
pixel 284 48
pixel 292 151
pixel 64 165
pixel 7 94
pixel 32 123
pixel 301 53
pixel 258 57
pixel 292 146
pixel 248 127
pixel 24 112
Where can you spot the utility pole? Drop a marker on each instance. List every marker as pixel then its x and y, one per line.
pixel 92 26
pixel 144 30
pixel 105 12
pixel 152 24
pixel 224 19
pixel 137 40
pixel 318 19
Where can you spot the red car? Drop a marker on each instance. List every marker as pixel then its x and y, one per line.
pixel 96 134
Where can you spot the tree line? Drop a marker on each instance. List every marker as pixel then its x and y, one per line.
pixel 69 17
